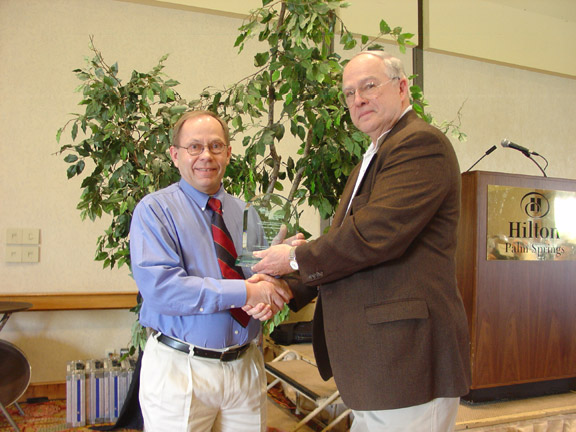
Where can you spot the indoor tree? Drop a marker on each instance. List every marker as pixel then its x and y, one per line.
pixel 294 97
pixel 122 137
pixel 291 99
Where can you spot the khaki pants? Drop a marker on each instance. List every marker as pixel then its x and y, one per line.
pixel 438 415
pixel 183 393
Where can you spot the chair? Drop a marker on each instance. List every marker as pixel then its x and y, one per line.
pixel 301 374
pixel 14 378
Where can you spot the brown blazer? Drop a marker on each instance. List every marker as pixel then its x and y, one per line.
pixel 389 323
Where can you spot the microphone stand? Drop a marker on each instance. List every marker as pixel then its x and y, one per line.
pixel 536 163
pixel 490 150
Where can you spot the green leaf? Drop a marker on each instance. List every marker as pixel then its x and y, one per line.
pixel 384 27
pixel 71 171
pixel 260 59
pixel 71 158
pixel 269 325
pixel 109 81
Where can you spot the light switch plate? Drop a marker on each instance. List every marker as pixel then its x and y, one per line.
pixel 30 254
pixel 31 236
pixel 13 236
pixel 13 254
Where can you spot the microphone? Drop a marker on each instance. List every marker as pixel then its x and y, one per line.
pixel 490 150
pixel 527 152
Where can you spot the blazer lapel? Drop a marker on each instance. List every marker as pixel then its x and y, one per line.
pixel 346 197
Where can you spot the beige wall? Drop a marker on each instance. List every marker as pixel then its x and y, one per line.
pixel 529 33
pixel 42 42
pixel 504 31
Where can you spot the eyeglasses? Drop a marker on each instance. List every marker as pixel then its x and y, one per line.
pixel 197 149
pixel 368 90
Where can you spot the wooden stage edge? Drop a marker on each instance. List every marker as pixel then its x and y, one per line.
pixel 74 301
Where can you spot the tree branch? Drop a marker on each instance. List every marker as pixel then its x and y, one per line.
pixel 271 102
pixel 300 171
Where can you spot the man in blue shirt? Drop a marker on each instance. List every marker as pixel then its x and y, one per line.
pixel 201 370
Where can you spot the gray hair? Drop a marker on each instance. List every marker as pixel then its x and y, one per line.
pixel 394 66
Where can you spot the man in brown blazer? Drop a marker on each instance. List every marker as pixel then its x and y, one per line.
pixel 389 323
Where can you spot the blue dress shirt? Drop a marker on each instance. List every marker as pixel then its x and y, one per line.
pixel 175 267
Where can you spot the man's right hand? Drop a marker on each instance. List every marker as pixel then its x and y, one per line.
pixel 264 289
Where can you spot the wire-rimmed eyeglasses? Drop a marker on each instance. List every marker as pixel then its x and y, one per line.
pixel 215 148
pixel 368 90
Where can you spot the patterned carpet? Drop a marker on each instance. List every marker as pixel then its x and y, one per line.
pixel 51 417
pixel 40 417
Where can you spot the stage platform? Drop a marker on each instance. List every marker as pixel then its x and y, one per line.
pixel 552 413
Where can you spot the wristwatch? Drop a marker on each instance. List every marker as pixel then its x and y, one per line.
pixel 293 262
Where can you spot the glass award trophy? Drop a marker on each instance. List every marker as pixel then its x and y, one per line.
pixel 268 220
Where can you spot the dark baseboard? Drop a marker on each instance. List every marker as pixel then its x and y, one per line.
pixel 48 390
pixel 520 391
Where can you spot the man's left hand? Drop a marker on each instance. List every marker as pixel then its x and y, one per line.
pixel 260 312
pixel 280 238
pixel 275 260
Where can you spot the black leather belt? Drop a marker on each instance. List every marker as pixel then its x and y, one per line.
pixel 224 356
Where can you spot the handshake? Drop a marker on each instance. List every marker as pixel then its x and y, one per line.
pixel 265 296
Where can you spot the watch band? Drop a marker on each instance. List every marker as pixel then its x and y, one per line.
pixel 292 255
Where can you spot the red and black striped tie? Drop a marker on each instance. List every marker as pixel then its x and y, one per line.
pixel 226 254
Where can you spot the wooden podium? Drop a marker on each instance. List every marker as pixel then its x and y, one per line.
pixel 521 313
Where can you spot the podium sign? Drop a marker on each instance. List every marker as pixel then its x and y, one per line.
pixel 268 219
pixel 520 302
pixel 530 224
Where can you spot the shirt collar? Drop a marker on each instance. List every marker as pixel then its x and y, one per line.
pixel 200 198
